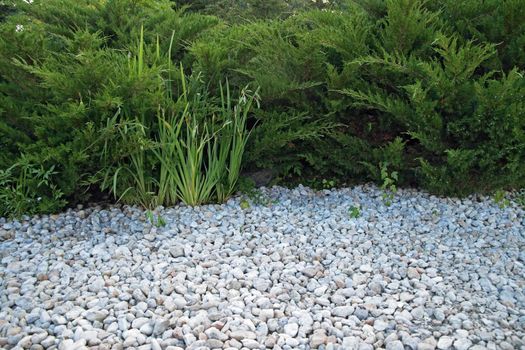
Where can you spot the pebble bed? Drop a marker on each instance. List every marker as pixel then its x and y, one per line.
pixel 298 272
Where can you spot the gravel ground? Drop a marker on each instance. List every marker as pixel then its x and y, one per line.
pixel 299 273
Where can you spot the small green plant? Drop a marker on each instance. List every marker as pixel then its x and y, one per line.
pixel 501 199
pixel 149 216
pixel 161 221
pixel 27 188
pixel 328 184
pixel 157 221
pixel 389 180
pixel 244 204
pixel 520 198
pixel 321 184
pixel 354 212
pixel 253 194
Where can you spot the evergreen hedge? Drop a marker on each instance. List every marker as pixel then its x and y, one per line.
pixel 431 90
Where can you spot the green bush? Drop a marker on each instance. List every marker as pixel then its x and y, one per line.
pixel 432 91
pixel 26 189
pixel 64 72
pixel 463 123
pixel 491 21
pixel 425 99
pixel 239 11
pixel 419 85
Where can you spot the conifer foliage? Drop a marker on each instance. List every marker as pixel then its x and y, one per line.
pixel 91 94
pixel 421 86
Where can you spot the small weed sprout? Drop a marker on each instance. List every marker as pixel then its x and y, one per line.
pixel 520 198
pixel 159 221
pixel 244 204
pixel 328 184
pixel 389 184
pixel 321 184
pixel 253 194
pixel 500 199
pixel 149 216
pixel 354 212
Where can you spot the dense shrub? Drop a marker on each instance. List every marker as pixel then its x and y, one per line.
pixel 401 83
pixel 239 11
pixel 64 72
pixel 492 21
pixel 351 90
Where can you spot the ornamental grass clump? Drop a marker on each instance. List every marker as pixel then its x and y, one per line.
pixel 189 149
pixel 201 155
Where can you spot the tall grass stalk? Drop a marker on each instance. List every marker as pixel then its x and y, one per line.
pixel 131 180
pixel 233 139
pixel 185 143
pixel 167 191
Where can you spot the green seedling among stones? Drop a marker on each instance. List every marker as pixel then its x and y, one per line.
pixel 501 200
pixel 156 221
pixel 244 204
pixel 354 212
pixel 389 186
